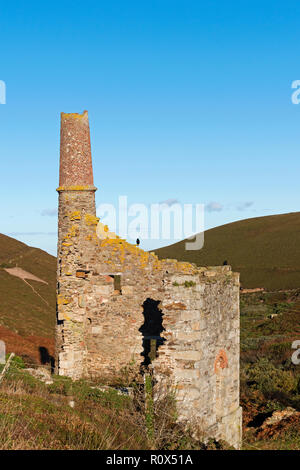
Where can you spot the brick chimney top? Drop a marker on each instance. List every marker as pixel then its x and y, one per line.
pixel 76 169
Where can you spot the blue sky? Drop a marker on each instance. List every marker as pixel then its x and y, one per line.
pixel 187 100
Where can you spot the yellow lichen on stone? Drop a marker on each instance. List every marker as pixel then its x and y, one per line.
pixel 144 259
pixel 122 253
pixel 76 188
pixel 67 244
pixel 184 266
pixel 76 215
pixel 122 246
pixel 157 265
pixel 180 266
pixel 91 219
pixel 74 231
pixel 74 115
pixel 103 232
pixel 61 300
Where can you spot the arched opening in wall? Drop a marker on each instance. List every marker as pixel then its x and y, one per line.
pixel 151 331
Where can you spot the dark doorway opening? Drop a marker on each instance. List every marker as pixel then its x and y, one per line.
pixel 117 282
pixel 151 330
pixel 46 358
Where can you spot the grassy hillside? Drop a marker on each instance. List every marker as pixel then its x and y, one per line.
pixel 265 250
pixel 270 381
pixel 26 310
pixel 39 416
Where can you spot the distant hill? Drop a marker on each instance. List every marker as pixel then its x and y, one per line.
pixel 27 308
pixel 265 250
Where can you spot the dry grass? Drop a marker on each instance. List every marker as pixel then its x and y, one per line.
pixel 33 417
pixel 36 416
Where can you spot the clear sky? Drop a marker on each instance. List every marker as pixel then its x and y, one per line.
pixel 188 100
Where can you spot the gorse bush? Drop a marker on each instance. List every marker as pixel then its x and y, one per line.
pixel 279 351
pixel 17 362
pixel 267 378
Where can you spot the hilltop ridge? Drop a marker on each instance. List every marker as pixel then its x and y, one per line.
pixel 265 250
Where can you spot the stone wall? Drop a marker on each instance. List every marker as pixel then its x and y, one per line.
pixel 98 322
pixel 200 358
pixel 113 298
pixel 103 285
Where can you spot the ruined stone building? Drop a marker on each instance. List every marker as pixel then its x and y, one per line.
pixel 113 299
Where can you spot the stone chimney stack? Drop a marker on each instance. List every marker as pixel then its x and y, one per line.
pixel 75 151
pixel 76 226
pixel 76 181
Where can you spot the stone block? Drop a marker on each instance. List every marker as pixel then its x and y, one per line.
pixel 175 306
pixel 96 330
pixel 196 325
pixel 187 335
pixel 127 290
pixel 81 274
pixel 190 315
pixel 81 301
pixel 188 355
pixel 210 273
pixel 103 290
pixel 186 374
pixel 77 317
pixel 62 315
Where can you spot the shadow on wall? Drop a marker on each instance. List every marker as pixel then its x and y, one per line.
pixel 151 331
pixel 46 358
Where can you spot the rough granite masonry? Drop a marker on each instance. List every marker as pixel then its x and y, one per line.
pixel 121 308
